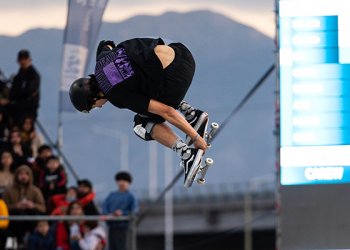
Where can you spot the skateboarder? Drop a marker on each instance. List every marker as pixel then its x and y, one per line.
pixel 151 79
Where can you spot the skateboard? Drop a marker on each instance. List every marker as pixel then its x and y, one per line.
pixel 204 165
pixel 208 137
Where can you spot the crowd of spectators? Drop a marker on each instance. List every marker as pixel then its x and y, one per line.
pixel 33 180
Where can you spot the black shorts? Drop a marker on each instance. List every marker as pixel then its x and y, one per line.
pixel 177 78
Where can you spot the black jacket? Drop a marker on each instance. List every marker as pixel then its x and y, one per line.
pixel 18 159
pixel 37 241
pixel 58 179
pixel 90 208
pixel 25 91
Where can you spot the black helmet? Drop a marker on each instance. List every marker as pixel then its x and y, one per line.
pixel 82 93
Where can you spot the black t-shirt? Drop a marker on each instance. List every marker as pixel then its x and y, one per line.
pixel 24 93
pixel 131 74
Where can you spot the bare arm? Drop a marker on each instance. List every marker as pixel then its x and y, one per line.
pixel 176 119
pixel 172 116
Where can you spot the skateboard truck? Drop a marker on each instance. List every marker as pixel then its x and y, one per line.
pixel 213 129
pixel 204 169
pixel 208 161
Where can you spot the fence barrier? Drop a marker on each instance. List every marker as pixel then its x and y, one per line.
pixel 101 218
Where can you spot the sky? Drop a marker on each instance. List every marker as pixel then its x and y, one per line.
pixel 17 16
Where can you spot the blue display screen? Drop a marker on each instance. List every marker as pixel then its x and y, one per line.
pixel 314 49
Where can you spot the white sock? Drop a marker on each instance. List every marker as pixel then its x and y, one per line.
pixel 181 149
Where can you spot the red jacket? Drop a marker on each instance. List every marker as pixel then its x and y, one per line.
pixel 60 203
pixel 62 235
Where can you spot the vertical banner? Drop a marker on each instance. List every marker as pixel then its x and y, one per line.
pixel 82 28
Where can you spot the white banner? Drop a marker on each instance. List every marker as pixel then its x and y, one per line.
pixel 73 65
pixel 83 24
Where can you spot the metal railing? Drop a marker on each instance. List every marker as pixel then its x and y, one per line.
pixel 66 218
pixel 101 218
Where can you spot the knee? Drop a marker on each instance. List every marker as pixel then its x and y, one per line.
pixel 143 127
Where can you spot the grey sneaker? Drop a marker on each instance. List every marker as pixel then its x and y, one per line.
pixel 191 163
pixel 199 121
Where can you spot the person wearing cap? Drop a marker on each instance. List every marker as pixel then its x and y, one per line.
pixel 119 203
pixel 25 90
pixel 86 193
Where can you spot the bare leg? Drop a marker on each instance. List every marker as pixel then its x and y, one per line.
pixel 163 134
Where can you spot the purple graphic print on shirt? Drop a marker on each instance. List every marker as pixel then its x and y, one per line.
pixel 113 69
pixel 112 73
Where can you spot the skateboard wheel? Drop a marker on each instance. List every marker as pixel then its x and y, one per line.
pixel 214 125
pixel 201 181
pixel 209 161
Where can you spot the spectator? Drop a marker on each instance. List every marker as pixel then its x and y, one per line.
pixel 3 223
pixel 94 236
pixel 25 90
pixel 20 151
pixel 30 137
pixel 3 125
pixel 6 170
pixel 4 90
pixel 60 202
pixel 118 203
pixel 85 192
pixel 23 198
pixel 53 179
pixel 43 238
pixel 39 164
pixel 68 233
pixel 4 100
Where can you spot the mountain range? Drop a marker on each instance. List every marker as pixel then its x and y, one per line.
pixel 230 57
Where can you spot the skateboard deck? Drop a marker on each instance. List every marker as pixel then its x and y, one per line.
pixel 208 161
pixel 205 164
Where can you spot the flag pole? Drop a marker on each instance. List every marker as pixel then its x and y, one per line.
pixel 79 38
pixel 59 143
pixel 59 134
